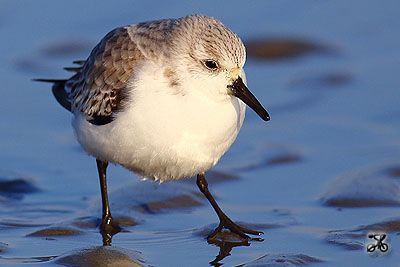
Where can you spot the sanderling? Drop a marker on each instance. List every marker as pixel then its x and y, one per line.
pixel 165 99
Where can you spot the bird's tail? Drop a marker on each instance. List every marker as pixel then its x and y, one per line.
pixel 59 92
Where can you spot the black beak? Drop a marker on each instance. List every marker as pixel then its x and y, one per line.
pixel 242 92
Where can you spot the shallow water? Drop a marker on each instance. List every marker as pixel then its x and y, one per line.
pixel 317 179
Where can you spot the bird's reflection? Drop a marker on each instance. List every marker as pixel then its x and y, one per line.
pixel 108 235
pixel 226 241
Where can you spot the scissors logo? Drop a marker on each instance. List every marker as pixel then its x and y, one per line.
pixel 383 247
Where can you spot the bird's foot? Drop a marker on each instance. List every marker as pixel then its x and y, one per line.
pixel 108 229
pixel 227 223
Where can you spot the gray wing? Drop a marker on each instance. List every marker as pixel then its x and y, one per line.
pixel 97 89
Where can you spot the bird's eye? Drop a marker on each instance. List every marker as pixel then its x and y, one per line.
pixel 211 64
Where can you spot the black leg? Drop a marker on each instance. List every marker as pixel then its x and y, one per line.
pixel 224 221
pixel 108 227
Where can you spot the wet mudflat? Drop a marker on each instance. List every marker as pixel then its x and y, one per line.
pixel 317 179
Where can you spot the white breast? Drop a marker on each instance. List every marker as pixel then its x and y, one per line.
pixel 164 134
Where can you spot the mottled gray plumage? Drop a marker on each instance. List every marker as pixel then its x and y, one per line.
pixel 97 88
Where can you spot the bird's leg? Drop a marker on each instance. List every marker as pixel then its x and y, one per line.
pixel 108 227
pixel 224 221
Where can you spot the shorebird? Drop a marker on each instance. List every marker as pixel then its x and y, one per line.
pixel 164 99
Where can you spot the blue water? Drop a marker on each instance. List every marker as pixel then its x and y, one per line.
pixel 333 129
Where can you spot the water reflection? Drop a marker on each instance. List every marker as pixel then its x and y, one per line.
pixel 224 240
pixel 225 247
pixel 107 255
